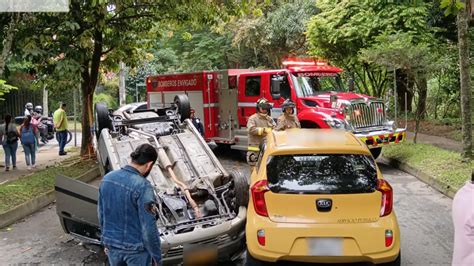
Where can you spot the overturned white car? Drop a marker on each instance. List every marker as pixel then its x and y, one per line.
pixel 199 203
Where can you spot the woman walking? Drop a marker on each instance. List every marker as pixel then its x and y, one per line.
pixel 9 138
pixel 28 140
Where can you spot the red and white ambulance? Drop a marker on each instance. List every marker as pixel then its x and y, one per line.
pixel 225 99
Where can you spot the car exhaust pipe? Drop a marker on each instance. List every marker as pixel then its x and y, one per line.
pixel 166 164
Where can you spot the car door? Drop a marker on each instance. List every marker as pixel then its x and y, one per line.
pixel 76 206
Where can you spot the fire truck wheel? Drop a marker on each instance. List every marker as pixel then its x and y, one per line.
pixel 376 152
pixel 184 107
pixel 241 188
pixel 102 118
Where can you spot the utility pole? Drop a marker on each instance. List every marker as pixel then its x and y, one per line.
pixel 122 96
pixel 45 101
pixel 75 116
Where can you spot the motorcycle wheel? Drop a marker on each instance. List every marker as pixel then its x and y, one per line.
pixel 68 138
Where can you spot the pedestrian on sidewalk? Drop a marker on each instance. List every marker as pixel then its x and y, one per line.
pixel 60 123
pixel 28 140
pixel 9 139
pixel 463 219
pixel 127 212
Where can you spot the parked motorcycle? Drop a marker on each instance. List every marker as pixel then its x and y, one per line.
pixel 46 128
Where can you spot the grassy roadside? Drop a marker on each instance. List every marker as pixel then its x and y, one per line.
pixel 17 192
pixel 443 165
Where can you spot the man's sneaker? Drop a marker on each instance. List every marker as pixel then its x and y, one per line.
pixel 29 167
pixel 14 167
pixel 33 166
pixel 7 169
pixel 62 153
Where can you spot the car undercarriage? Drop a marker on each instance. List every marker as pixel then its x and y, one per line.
pixel 198 201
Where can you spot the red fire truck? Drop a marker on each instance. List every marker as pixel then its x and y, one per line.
pixel 225 99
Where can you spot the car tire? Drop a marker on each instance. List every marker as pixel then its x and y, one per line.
pixel 102 118
pixel 376 152
pixel 184 107
pixel 241 188
pixel 396 262
pixel 251 261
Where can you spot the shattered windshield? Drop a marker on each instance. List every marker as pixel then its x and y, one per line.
pixel 314 83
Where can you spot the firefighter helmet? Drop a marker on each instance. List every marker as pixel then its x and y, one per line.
pixel 264 104
pixel 288 104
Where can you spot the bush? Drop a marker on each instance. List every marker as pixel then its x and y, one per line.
pixel 109 100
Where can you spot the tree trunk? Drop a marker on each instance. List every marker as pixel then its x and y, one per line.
pixel 87 117
pixel 463 46
pixel 90 76
pixel 402 88
pixel 422 86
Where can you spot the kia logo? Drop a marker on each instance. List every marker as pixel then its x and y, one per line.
pixel 324 205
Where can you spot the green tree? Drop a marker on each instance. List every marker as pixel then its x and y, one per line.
pixel 276 33
pixel 460 8
pixel 100 33
pixel 343 28
pixel 417 60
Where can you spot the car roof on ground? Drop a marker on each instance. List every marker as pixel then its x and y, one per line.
pixel 315 140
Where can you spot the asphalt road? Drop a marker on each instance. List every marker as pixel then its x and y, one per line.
pixel 423 213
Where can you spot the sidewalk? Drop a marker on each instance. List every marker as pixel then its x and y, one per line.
pixel 440 142
pixel 46 156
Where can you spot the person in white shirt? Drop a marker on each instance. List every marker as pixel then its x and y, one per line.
pixel 28 109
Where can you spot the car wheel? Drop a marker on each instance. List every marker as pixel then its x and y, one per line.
pixel 184 107
pixel 241 188
pixel 251 261
pixel 102 118
pixel 376 152
pixel 396 262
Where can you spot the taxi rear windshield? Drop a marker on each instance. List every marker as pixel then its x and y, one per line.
pixel 321 174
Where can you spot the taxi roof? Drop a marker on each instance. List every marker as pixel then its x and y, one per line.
pixel 314 140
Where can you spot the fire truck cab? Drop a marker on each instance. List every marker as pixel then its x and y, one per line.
pixel 224 100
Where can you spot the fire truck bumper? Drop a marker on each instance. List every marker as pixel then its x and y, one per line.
pixel 375 139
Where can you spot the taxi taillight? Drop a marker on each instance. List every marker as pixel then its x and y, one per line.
pixel 388 237
pixel 261 237
pixel 258 196
pixel 387 197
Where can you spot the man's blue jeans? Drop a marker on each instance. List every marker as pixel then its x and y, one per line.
pixel 10 152
pixel 119 257
pixel 62 138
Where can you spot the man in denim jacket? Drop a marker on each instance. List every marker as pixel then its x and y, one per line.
pixel 127 212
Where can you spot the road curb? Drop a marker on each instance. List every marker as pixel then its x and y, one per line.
pixel 442 187
pixel 37 203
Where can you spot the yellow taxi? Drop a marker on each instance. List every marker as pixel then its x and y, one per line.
pixel 318 196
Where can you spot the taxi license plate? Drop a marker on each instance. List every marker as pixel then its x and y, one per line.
pixel 199 255
pixel 325 246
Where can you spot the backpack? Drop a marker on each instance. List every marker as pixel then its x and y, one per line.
pixel 11 136
pixel 27 135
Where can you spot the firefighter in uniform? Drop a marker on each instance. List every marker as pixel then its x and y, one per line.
pixel 288 119
pixel 258 126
